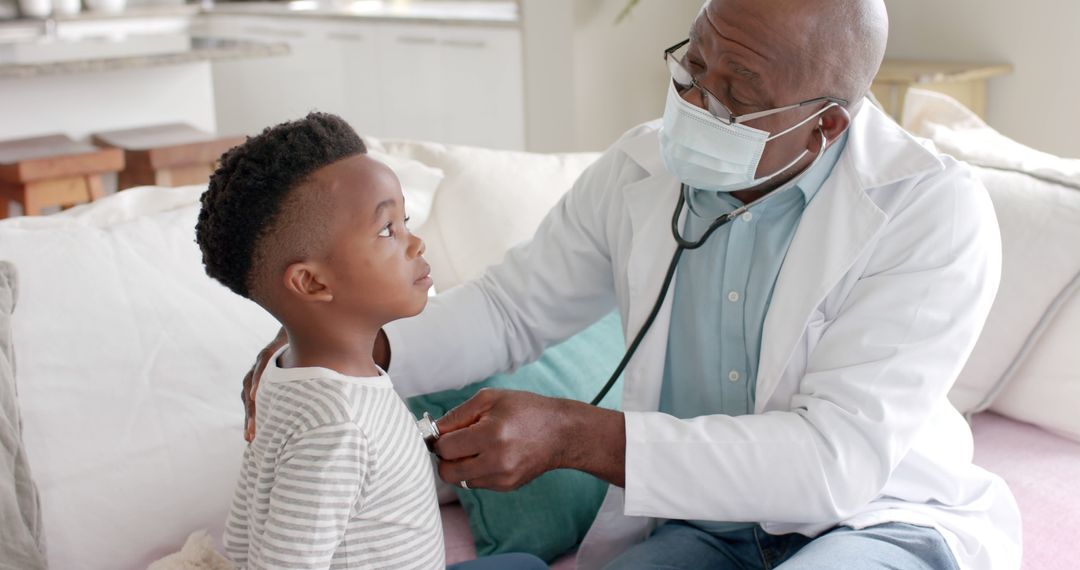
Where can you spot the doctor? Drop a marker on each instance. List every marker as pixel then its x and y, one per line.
pixel 787 406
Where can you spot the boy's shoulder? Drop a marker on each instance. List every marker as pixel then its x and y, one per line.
pixel 317 401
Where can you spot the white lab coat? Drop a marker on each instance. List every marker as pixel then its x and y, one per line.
pixel 883 292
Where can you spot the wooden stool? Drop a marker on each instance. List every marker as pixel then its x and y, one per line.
pixel 166 155
pixel 53 171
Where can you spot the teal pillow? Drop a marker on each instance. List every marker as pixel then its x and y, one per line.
pixel 549 516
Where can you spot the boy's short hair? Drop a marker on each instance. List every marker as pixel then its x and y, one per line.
pixel 249 190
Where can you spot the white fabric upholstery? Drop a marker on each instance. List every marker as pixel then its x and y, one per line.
pixel 1026 364
pixel 21 536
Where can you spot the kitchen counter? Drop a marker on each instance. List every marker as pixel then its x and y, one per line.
pixel 495 13
pixel 490 13
pixel 46 57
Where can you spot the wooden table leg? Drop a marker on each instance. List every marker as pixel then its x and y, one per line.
pixel 94 187
pixel 9 192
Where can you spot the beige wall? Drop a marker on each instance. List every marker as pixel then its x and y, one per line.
pixel 621 78
pixel 1037 104
pixel 587 79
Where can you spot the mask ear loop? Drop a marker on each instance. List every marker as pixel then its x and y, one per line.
pixel 802 122
pixel 803 154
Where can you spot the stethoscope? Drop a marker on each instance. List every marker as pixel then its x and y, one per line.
pixel 683 244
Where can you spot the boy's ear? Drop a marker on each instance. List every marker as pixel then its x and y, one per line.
pixel 304 280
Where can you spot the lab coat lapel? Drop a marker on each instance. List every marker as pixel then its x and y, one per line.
pixel 650 203
pixel 836 228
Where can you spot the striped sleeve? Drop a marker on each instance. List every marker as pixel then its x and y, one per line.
pixel 316 489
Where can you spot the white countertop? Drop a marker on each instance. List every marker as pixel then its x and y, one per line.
pixel 20 60
pixel 494 12
pixel 489 12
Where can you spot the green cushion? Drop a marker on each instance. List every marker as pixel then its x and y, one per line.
pixel 549 516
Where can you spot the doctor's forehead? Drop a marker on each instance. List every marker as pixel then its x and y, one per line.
pixel 779 40
pixel 748 24
pixel 719 44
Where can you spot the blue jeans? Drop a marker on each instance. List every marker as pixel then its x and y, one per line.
pixel 502 562
pixel 678 545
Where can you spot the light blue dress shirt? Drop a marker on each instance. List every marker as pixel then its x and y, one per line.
pixel 722 294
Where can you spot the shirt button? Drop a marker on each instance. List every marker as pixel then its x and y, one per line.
pixel 733 296
pixel 734 376
pixel 746 217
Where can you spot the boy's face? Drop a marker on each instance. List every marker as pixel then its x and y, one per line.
pixel 375 266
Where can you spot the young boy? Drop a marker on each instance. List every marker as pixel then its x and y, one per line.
pixel 302 222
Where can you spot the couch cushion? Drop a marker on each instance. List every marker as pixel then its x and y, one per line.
pixel 551 514
pixel 21 544
pixel 1025 346
pixel 489 201
pixel 1045 389
pixel 1041 469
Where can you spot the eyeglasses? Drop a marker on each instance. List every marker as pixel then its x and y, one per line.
pixel 684 80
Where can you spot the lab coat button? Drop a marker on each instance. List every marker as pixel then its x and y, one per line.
pixel 734 376
pixel 733 296
pixel 746 217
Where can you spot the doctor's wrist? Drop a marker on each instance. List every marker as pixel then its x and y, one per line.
pixel 593 440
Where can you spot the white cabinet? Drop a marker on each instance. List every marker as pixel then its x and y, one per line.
pixel 484 99
pixel 356 63
pixel 438 82
pixel 410 69
pixel 253 94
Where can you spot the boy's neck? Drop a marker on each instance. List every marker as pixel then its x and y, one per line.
pixel 346 352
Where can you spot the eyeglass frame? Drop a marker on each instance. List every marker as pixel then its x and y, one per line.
pixel 732 118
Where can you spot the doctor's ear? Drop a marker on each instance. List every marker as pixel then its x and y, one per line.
pixel 305 280
pixel 834 122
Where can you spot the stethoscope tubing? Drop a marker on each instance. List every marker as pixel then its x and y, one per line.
pixel 683 244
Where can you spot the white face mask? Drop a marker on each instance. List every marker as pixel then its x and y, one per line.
pixel 707 154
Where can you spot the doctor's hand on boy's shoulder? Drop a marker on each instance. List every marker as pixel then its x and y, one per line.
pixel 503 439
pixel 251 382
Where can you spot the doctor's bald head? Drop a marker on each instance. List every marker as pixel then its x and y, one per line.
pixel 797 49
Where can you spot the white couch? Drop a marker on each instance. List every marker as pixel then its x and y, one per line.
pixel 130 359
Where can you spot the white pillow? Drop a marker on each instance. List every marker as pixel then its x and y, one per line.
pixel 1024 351
pixel 958 131
pixel 489 201
pixel 1045 390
